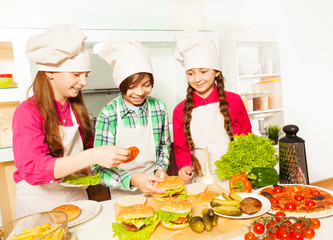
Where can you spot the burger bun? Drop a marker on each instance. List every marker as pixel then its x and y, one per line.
pixel 72 211
pixel 174 226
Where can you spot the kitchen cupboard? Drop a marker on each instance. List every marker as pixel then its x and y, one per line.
pixel 252 68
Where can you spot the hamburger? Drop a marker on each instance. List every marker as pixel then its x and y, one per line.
pixel 175 213
pixel 204 198
pixel 72 211
pixel 174 187
pixel 136 222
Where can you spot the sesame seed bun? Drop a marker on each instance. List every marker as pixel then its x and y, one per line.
pixel 204 198
pixel 136 211
pixel 72 211
pixel 175 205
pixel 174 226
pixel 171 182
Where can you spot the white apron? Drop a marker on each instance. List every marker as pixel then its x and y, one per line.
pixel 142 138
pixel 37 198
pixel 207 129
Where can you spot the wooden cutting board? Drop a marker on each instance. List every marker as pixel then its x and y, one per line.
pixel 226 228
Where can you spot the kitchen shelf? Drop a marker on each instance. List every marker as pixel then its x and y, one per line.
pixel 261 59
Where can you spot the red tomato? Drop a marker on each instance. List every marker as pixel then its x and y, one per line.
pixel 258 228
pixel 249 236
pixel 278 189
pixel 299 197
pixel 310 203
pixel 284 235
pixel 290 206
pixel 295 235
pixel 315 223
pixel 308 233
pixel 134 151
pixel 274 201
pixel 298 225
pixel 315 192
pixel 280 214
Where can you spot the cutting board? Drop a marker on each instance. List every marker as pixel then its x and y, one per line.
pixel 226 228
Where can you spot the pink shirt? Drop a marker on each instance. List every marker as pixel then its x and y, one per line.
pixel 31 153
pixel 240 123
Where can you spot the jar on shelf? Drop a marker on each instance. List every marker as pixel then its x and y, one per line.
pixel 5 132
pixel 256 101
pixel 249 97
pixel 244 99
pixel 264 100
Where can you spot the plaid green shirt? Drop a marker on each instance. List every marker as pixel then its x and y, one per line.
pixel 106 130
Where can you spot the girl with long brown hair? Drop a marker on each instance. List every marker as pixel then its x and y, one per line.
pixel 51 129
pixel 209 116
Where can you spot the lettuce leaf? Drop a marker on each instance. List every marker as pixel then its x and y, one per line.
pixel 143 234
pixel 80 179
pixel 171 192
pixel 168 216
pixel 245 153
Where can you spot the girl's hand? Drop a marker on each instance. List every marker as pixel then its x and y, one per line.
pixel 110 156
pixel 160 173
pixel 146 183
pixel 185 173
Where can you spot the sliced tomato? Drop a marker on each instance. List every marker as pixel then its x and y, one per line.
pixel 290 206
pixel 299 197
pixel 315 192
pixel 278 189
pixel 310 203
pixel 274 201
pixel 134 152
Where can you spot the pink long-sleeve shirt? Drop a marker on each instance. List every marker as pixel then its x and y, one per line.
pixel 31 153
pixel 240 123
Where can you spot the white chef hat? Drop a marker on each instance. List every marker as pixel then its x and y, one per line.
pixel 195 50
pixel 126 57
pixel 60 49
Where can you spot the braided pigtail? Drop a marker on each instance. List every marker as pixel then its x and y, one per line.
pixel 223 104
pixel 187 117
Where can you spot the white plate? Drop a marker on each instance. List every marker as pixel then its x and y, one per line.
pixel 312 215
pixel 266 205
pixel 65 184
pixel 88 208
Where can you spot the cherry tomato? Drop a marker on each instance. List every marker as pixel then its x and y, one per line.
pixel 299 197
pixel 249 236
pixel 280 214
pixel 135 151
pixel 308 233
pixel 258 228
pixel 315 192
pixel 274 201
pixel 295 235
pixel 290 206
pixel 284 235
pixel 270 225
pixel 315 223
pixel 298 225
pixel 310 203
pixel 278 189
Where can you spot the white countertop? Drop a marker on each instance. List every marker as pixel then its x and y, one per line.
pixel 99 227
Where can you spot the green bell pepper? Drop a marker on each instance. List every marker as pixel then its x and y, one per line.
pixel 263 176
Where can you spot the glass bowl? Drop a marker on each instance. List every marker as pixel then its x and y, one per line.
pixel 45 225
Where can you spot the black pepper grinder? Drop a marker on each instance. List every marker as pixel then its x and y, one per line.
pixel 292 157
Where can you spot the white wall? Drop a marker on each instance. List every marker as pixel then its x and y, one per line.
pixel 304 28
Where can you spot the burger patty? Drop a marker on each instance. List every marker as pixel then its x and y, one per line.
pixel 132 227
pixel 250 205
pixel 182 220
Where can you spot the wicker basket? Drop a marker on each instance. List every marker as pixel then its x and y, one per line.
pixel 35 227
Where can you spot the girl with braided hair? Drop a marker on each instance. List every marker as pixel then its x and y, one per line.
pixel 209 116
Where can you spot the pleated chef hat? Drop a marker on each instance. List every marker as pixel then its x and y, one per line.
pixel 195 50
pixel 60 49
pixel 126 57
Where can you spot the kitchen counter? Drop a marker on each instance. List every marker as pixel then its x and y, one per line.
pixel 100 227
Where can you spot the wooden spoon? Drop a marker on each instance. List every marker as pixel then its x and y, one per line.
pixel 208 178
